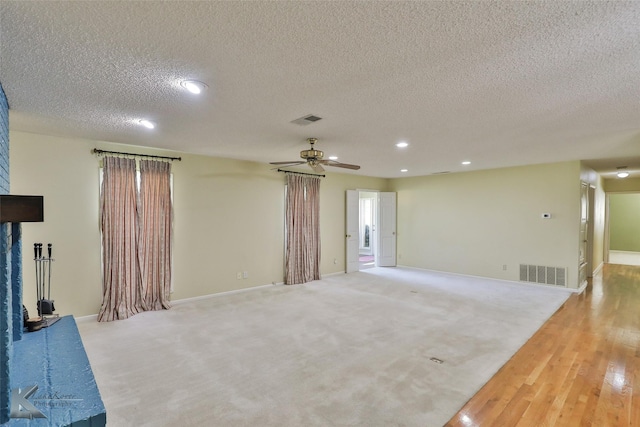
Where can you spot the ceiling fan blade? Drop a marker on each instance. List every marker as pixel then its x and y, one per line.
pixel 316 167
pixel 291 163
pixel 339 165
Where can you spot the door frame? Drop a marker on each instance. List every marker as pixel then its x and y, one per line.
pixel 349 236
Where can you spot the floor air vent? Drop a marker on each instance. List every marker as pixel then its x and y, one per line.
pixel 545 275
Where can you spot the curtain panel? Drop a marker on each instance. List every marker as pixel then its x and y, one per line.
pixel 137 237
pixel 302 259
pixel 155 239
pixel 121 282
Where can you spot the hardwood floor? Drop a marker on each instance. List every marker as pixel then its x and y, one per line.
pixel 582 368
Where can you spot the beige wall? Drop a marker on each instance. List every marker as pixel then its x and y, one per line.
pixel 229 217
pixel 475 223
pixel 621 185
pixel 624 227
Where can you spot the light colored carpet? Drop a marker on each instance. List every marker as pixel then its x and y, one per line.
pixel 348 350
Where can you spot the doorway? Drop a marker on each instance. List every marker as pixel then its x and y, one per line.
pixel 368 209
pixel 370 229
pixel 623 228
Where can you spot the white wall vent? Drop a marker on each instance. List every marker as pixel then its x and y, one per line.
pixel 540 274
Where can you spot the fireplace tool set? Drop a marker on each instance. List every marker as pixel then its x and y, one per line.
pixel 44 303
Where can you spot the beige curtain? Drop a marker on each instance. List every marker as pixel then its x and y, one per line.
pixel 302 262
pixel 121 283
pixel 154 243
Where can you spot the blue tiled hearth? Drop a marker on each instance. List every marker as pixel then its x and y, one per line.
pixel 54 360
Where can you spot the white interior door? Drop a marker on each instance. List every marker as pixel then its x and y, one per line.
pixel 584 227
pixel 352 230
pixel 387 230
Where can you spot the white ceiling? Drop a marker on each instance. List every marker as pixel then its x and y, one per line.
pixel 497 83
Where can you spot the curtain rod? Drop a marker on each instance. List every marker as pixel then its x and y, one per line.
pixel 301 173
pixel 98 151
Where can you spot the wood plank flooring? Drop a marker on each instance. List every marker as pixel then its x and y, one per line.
pixel 582 368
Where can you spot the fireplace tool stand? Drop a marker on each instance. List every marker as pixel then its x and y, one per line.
pixel 45 306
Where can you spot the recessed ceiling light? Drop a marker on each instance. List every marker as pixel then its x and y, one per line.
pixel 466 162
pixel 333 157
pixel 404 170
pixel 147 123
pixel 402 144
pixel 193 86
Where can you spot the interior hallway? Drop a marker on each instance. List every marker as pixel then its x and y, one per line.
pixel 581 368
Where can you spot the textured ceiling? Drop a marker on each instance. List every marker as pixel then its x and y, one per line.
pixel 496 83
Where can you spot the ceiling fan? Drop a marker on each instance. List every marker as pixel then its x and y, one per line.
pixel 313 158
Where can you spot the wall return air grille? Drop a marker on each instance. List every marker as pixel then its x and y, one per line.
pixel 545 275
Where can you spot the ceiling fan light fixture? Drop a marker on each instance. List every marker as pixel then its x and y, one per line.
pixel 333 157
pixel 194 86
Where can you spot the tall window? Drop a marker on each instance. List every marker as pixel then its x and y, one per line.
pixel 136 222
pixel 302 257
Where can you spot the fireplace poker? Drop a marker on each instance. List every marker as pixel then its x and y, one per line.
pixel 35 258
pixel 42 273
pixel 49 246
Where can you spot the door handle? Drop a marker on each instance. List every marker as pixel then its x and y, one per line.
pixel 348 236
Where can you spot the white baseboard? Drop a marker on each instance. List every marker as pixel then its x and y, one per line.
pixel 513 282
pixel 94 317
pixel 581 288
pixel 220 294
pixel 337 273
pixel 85 319
pixel 624 257
pixel 598 269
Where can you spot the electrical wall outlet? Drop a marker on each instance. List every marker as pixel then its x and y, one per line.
pixel 239 275
pixel 245 274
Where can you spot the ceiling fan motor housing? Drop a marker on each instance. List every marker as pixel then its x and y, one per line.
pixel 311 154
